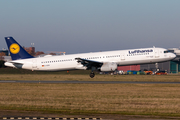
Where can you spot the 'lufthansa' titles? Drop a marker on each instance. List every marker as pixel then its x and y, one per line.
pixel 140 51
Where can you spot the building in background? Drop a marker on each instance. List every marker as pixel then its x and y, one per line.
pixel 165 66
pixel 175 64
pixel 4 55
pixel 130 67
pixel 6 52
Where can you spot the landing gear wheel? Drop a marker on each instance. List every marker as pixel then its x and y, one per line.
pixel 92 75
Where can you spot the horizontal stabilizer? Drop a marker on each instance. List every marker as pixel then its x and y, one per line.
pixel 16 62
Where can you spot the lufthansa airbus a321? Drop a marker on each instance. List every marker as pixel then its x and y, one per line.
pixel 101 61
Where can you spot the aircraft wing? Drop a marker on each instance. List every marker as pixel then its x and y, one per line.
pixel 89 63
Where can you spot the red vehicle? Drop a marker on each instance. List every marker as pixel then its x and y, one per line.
pixel 148 72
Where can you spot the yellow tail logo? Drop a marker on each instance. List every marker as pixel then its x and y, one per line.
pixel 14 48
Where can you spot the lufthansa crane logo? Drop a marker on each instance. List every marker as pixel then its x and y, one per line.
pixel 14 48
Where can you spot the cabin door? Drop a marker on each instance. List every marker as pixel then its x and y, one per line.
pixel 34 65
pixel 122 57
pixel 156 52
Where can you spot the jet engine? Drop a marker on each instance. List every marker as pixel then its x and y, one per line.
pixel 110 66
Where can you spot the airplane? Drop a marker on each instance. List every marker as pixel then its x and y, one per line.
pixel 101 61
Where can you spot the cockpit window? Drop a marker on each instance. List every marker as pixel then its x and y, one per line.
pixel 166 51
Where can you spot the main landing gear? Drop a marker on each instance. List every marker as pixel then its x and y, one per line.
pixel 92 74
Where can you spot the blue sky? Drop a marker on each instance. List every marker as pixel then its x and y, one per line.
pixel 79 26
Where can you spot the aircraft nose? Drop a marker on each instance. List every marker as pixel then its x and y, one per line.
pixel 173 55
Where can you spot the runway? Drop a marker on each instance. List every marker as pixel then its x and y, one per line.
pixel 48 118
pixel 86 82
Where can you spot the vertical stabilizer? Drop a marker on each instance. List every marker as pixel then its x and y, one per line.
pixel 16 50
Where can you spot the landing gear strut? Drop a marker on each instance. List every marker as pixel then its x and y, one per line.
pixel 92 74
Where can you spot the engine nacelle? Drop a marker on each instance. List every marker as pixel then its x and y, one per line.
pixel 108 67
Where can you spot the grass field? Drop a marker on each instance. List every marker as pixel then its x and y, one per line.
pixel 125 99
pixel 78 77
pixel 116 99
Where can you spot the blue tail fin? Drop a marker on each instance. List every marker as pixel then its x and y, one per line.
pixel 15 49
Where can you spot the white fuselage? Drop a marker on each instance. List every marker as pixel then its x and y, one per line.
pixel 68 62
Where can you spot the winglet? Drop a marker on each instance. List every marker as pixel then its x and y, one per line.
pixel 16 50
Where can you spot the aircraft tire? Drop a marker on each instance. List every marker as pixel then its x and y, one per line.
pixel 92 75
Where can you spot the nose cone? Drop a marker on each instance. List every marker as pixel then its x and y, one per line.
pixel 173 55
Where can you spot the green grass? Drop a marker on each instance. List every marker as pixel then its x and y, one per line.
pixel 124 99
pixel 85 77
pixel 79 75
